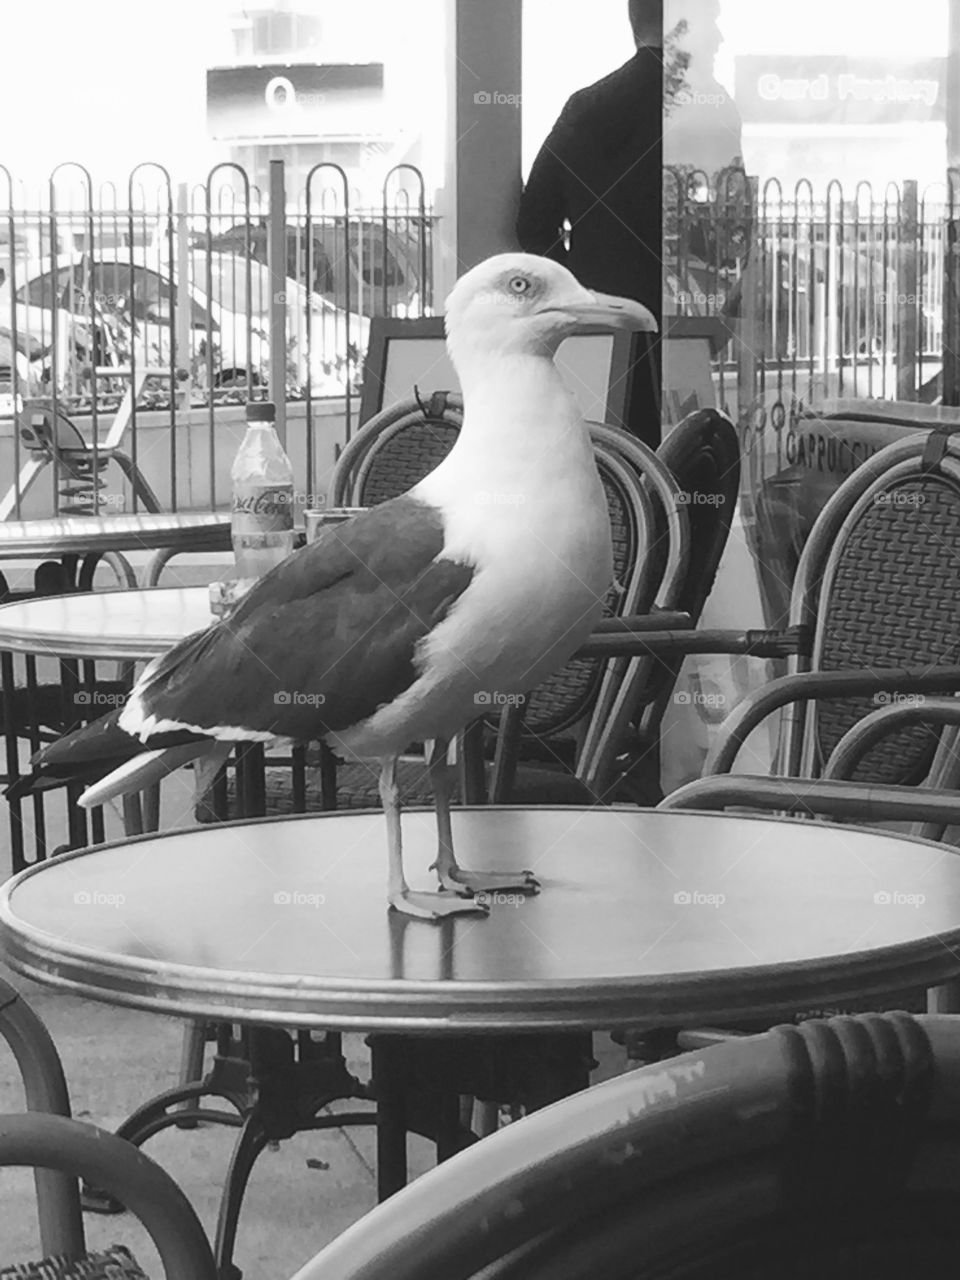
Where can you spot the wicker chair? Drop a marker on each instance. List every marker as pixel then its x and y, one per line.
pixel 702 454
pixel 61 1150
pixel 651 554
pixel 873 618
pixel 831 1150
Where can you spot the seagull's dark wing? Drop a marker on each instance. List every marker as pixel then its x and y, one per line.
pixel 324 639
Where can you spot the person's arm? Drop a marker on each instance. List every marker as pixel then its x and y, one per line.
pixel 541 212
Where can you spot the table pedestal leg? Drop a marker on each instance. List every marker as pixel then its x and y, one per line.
pixel 388 1058
pixel 418 1081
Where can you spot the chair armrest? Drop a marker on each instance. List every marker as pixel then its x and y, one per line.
pixel 84 1151
pixel 666 643
pixel 655 620
pixel 856 800
pixel 755 707
pixel 876 726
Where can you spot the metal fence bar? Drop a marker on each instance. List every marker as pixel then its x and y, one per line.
pixel 908 294
pixel 277 268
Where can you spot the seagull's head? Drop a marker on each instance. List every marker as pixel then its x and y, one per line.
pixel 519 303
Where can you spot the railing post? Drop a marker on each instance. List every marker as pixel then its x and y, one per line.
pixel 277 268
pixel 951 294
pixel 748 326
pixel 184 331
pixel 908 288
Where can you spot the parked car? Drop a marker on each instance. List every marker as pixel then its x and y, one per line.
pixel 382 269
pixel 100 308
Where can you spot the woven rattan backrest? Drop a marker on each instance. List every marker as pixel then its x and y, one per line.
pixel 879 585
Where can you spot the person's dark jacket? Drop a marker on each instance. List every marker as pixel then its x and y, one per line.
pixel 600 168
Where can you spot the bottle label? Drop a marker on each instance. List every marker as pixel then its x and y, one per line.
pixel 262 509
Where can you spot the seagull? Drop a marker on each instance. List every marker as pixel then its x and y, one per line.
pixel 396 626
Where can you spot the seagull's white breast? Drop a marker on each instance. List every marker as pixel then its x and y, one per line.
pixel 532 517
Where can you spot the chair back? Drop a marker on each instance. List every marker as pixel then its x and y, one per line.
pixel 878 586
pixel 396 449
pixel 825 1149
pixel 702 457
pixel 794 463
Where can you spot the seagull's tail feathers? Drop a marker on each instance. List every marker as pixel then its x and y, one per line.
pixel 85 754
pixel 150 767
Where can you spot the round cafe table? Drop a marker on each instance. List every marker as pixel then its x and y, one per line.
pixel 646 917
pixel 107 625
pixel 84 540
pixel 77 631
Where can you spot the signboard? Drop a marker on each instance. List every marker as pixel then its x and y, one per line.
pixel 832 89
pixel 295 100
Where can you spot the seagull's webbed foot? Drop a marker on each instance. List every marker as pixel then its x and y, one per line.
pixel 459 879
pixel 435 906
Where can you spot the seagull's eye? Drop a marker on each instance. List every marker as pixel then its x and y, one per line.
pixel 519 285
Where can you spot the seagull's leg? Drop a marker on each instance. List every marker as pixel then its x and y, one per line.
pixel 451 875
pixel 425 906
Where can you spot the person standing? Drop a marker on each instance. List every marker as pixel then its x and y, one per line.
pixel 593 200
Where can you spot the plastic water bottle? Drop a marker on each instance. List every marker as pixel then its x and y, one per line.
pixel 262 511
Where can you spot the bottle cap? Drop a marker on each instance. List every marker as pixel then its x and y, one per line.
pixel 261 411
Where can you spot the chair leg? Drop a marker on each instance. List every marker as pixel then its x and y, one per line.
pixel 58 1200
pixel 945 999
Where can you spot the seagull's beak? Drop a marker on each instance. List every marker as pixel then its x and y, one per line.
pixel 601 312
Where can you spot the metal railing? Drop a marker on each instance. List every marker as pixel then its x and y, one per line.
pixel 98 283
pixel 825 294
